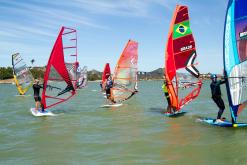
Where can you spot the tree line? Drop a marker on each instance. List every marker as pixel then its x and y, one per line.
pixel 38 73
pixel 6 73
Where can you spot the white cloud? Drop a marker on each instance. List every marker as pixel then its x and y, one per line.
pixel 32 26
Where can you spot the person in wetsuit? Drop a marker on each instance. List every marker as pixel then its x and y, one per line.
pixel 216 95
pixel 108 86
pixel 101 86
pixel 169 108
pixel 37 98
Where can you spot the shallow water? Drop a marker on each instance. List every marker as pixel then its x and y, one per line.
pixel 135 133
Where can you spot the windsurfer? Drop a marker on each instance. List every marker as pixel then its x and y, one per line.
pixel 169 108
pixel 216 95
pixel 37 98
pixel 79 83
pixel 108 86
pixel 101 86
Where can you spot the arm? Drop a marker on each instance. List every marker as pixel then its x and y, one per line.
pixel 222 81
pixel 41 86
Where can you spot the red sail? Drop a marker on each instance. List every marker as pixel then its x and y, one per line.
pixel 180 71
pixel 58 79
pixel 106 71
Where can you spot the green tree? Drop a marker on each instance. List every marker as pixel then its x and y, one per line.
pixel 37 73
pixel 6 73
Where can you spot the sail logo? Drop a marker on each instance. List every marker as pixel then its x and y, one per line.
pixel 243 35
pixel 132 48
pixel 133 61
pixel 190 67
pixel 186 48
pixel 21 72
pixel 181 29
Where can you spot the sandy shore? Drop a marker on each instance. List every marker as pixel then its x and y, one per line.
pixel 7 81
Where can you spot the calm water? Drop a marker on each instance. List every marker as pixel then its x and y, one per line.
pixel 136 133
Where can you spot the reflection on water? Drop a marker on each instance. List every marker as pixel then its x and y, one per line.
pixel 135 133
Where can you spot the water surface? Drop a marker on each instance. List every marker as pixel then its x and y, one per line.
pixel 135 133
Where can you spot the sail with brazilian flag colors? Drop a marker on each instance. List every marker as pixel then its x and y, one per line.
pixel 180 72
pixel 60 76
pixel 125 73
pixel 22 76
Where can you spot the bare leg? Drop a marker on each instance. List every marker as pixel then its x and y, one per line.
pixel 36 105
pixel 168 109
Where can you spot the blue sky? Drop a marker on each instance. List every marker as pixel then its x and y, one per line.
pixel 104 26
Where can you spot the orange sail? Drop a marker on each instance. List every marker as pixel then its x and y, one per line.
pixel 180 72
pixel 125 74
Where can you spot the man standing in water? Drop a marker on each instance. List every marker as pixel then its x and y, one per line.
pixel 37 98
pixel 216 95
pixel 169 108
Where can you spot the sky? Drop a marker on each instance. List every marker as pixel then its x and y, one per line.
pixel 30 27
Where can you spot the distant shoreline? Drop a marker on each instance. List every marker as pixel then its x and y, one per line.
pixel 7 81
pixel 11 81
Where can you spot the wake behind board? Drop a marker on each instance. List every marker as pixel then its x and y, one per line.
pixel 176 114
pixel 39 113
pixel 22 95
pixel 111 105
pixel 224 123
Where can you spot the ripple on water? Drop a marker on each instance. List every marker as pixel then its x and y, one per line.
pixel 135 133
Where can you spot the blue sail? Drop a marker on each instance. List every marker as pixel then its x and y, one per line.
pixel 235 55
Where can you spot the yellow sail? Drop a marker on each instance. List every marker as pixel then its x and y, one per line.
pixel 22 76
pixel 21 90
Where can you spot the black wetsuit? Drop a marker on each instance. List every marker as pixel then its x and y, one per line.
pixel 36 89
pixel 101 85
pixel 216 96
